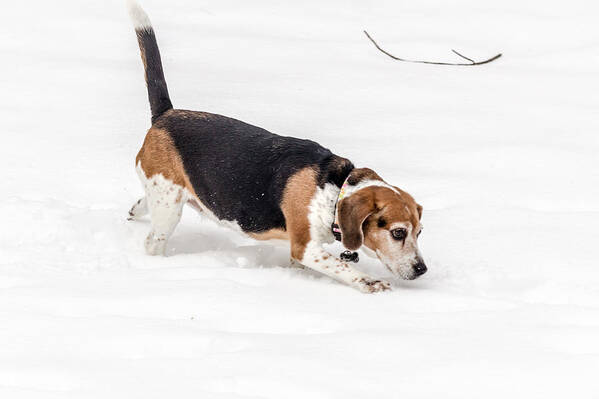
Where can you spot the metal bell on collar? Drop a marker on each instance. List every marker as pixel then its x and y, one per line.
pixel 349 256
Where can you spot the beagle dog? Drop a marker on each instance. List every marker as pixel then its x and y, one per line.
pixel 267 186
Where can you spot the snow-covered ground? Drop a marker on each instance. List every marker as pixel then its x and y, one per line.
pixel 503 158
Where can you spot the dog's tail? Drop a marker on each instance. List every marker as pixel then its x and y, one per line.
pixel 160 101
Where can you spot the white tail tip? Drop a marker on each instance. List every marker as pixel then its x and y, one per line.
pixel 138 15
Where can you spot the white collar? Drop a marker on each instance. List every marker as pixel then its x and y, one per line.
pixel 348 189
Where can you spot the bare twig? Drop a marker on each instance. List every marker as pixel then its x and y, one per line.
pixel 471 63
pixel 464 57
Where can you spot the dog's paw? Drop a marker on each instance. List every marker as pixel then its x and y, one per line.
pixel 139 209
pixel 155 246
pixel 295 264
pixel 370 286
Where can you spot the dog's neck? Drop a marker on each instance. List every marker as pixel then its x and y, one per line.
pixel 357 180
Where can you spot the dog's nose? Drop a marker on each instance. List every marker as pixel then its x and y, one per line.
pixel 419 268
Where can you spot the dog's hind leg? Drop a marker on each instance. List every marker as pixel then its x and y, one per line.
pixel 139 209
pixel 165 202
pixel 166 184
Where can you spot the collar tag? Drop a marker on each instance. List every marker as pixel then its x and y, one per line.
pixel 349 256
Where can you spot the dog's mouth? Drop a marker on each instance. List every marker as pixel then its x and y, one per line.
pixel 412 273
pixel 402 274
pixel 405 273
pixel 408 272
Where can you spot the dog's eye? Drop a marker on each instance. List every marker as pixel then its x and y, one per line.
pixel 399 234
pixel 418 235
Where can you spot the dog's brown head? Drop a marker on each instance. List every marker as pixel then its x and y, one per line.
pixel 385 220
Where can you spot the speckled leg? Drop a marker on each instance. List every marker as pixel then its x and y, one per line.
pixel 317 258
pixel 165 201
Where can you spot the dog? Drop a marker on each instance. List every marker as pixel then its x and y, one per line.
pixel 267 186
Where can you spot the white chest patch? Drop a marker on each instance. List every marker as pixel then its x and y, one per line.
pixel 321 213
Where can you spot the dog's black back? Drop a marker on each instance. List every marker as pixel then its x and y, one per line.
pixel 239 171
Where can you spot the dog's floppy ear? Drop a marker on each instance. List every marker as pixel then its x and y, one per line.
pixel 353 210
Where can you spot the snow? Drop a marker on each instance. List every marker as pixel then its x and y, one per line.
pixel 502 157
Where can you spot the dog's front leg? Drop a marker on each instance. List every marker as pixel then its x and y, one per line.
pixel 317 258
pixel 303 208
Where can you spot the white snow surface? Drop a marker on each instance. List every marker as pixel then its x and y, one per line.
pixel 503 157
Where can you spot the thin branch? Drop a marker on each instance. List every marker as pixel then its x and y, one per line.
pixel 464 57
pixel 471 63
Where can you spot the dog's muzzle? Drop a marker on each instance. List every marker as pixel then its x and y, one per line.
pixel 419 268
